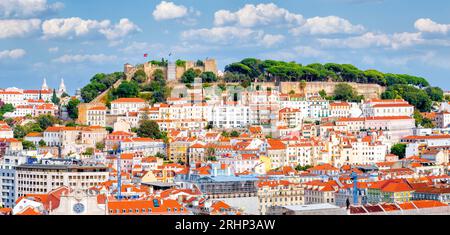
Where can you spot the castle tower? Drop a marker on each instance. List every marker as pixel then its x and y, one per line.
pixel 44 85
pixel 62 88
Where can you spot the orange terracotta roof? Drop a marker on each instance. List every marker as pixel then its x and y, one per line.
pixel 129 100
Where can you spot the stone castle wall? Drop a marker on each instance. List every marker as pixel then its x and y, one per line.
pixel 369 91
pixel 210 65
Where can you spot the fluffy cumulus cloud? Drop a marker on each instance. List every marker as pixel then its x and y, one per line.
pixel 169 10
pixel 222 35
pixel 327 25
pixel 252 15
pixel 95 58
pixel 429 26
pixel 27 8
pixel 12 54
pixel 76 27
pixel 18 28
pixel 370 39
pixel 270 40
pixel 120 30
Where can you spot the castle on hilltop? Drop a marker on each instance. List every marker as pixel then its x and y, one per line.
pixel 174 71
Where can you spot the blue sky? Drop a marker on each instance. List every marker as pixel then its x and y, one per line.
pixel 75 39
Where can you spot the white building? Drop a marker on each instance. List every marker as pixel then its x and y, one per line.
pixel 124 105
pixel 229 116
pixel 43 178
pixel 96 116
pixel 383 108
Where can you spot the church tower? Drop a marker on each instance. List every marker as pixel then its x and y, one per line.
pixel 62 88
pixel 44 85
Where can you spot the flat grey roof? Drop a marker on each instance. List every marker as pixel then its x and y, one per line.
pixel 323 206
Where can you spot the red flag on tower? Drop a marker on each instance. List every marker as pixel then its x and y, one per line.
pixel 145 55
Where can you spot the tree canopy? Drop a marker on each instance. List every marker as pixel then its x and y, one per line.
pixel 127 90
pixel 415 96
pixel 98 84
pixel 269 70
pixel 399 150
pixel 345 92
pixel 72 108
pixel 149 129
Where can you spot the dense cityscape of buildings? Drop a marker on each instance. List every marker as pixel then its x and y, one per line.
pixel 260 152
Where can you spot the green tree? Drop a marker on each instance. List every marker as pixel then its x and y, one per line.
pixel 28 145
pixel 89 152
pixel 160 155
pixel 72 108
pixel 422 121
pixel 6 108
pixel 46 121
pixel 100 145
pixel 399 150
pixel 211 158
pixel 323 94
pixel 189 76
pixel 345 92
pixel 225 134
pixel 302 168
pixel 181 63
pixel 55 98
pixel 42 143
pixel 435 93
pixel 127 90
pixel 149 129
pixel 208 77
pixel 139 76
pixel 19 132
pixel 234 134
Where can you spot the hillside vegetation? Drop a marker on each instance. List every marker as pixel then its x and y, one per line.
pixel 415 90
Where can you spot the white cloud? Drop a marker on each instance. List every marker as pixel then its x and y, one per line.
pixel 222 35
pixel 269 39
pixel 18 28
pixel 429 26
pixel 327 25
pixel 71 27
pixel 366 40
pixel 400 40
pixel 169 10
pixel 76 27
pixel 252 15
pixel 98 58
pixel 142 47
pixel 12 54
pixel 53 49
pixel 120 30
pixel 370 39
pixel 27 8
